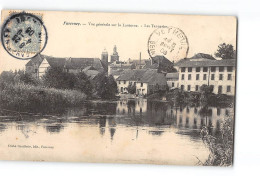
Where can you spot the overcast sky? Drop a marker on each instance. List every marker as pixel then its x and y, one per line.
pixel 204 34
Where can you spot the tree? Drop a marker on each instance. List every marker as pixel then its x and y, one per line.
pixel 84 84
pixel 131 88
pixel 55 77
pixel 106 86
pixel 27 78
pixel 226 51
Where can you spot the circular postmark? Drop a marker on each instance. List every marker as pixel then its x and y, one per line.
pixel 24 35
pixel 169 42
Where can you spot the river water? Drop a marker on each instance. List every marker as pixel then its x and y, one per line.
pixel 124 131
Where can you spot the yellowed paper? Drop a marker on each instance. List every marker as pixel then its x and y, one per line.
pixel 117 87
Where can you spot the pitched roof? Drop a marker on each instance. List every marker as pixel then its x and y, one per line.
pixel 143 75
pixel 70 63
pixel 131 75
pixel 37 60
pixel 152 77
pixel 205 62
pixel 203 55
pixel 173 76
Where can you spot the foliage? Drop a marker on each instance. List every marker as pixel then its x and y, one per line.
pixel 106 86
pixel 221 148
pixel 57 78
pixel 24 96
pixel 131 88
pixel 27 79
pixel 84 84
pixel 226 51
pixel 206 91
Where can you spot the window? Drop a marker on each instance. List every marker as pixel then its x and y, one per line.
pixel 188 88
pixel 219 89
pixel 172 84
pixel 213 69
pixel 197 69
pixel 221 69
pixel 182 77
pixel 220 77
pixel 197 76
pixel 197 88
pixel 182 87
pixel 124 82
pixel 182 69
pixel 36 70
pixel 205 77
pixel 189 69
pixel 230 69
pixel 188 110
pixel 227 112
pixel 141 84
pixel 228 88
pixel 229 77
pixel 189 76
pixel 218 111
pixel 212 77
pixel 205 69
pixel 122 89
pixel 195 110
pixel 118 82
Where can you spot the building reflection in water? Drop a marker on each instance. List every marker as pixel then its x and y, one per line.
pixel 141 112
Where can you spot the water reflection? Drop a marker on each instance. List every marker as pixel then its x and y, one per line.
pixel 127 121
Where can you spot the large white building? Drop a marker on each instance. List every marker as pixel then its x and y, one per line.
pixel 195 72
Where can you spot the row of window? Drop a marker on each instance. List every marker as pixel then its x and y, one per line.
pixel 220 88
pixel 124 82
pixel 209 111
pixel 221 77
pixel 205 69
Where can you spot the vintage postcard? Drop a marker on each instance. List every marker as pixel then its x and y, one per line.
pixel 117 87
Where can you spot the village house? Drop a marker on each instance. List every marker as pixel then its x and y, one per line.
pixel 146 81
pixel 38 65
pixel 129 77
pixel 151 82
pixel 202 69
pixel 172 80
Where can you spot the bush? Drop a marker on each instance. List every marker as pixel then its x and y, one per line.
pixel 221 147
pixel 131 88
pixel 57 78
pixel 29 97
pixel 106 87
pixel 84 84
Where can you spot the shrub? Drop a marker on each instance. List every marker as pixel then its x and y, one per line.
pixel 29 97
pixel 131 88
pixel 221 147
pixel 84 84
pixel 106 86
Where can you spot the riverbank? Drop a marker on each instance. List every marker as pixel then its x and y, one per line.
pixel 23 97
pixel 193 98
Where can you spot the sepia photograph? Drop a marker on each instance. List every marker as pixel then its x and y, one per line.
pixel 117 87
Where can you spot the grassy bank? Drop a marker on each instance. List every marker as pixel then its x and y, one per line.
pixel 23 97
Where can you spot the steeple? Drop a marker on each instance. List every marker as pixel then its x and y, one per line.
pixel 104 59
pixel 114 56
pixel 115 51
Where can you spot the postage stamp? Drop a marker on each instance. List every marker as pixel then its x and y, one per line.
pixel 24 35
pixel 170 42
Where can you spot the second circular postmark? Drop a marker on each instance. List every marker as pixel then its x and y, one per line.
pixel 24 35
pixel 170 42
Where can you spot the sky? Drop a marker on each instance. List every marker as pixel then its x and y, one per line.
pixel 80 39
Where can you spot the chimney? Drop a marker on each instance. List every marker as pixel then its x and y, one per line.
pixel 140 59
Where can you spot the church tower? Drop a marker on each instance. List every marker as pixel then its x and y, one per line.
pixel 114 56
pixel 104 59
